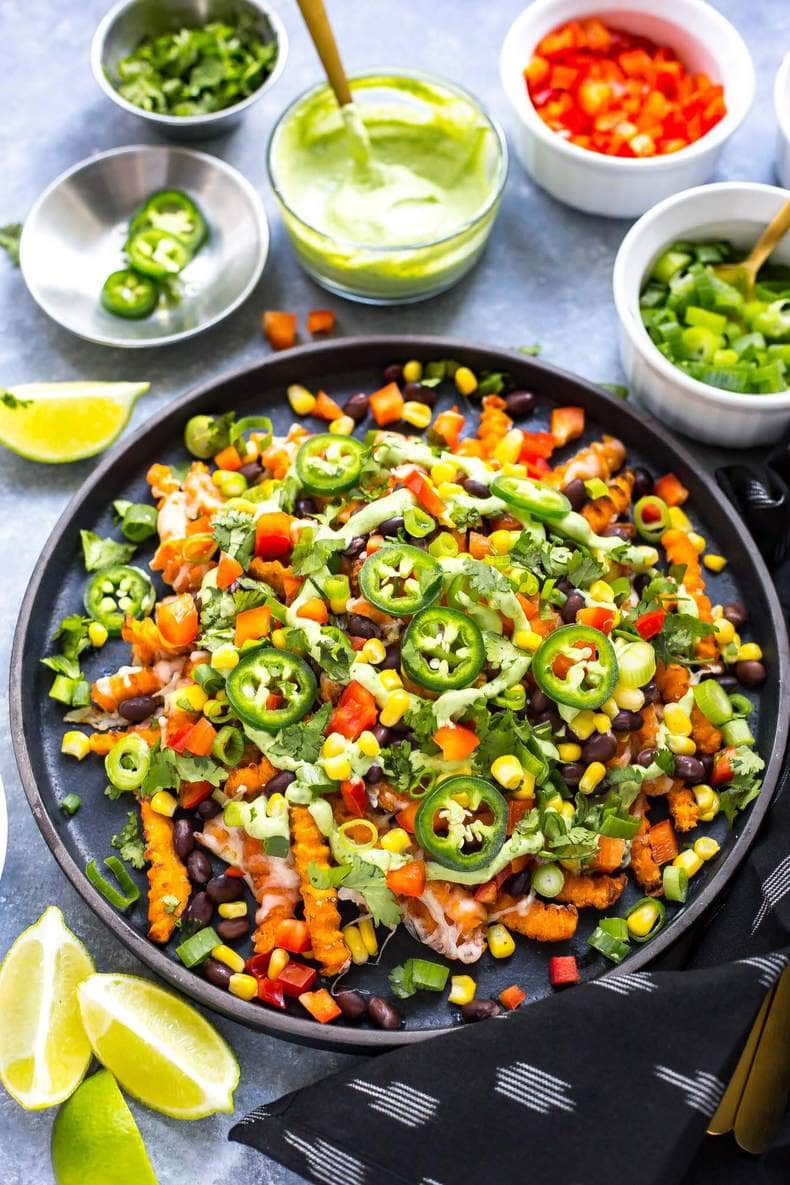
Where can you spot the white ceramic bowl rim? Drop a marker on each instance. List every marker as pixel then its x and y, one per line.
pixel 782 96
pixel 193 121
pixel 629 313
pixel 384 73
pixel 721 31
pixel 214 161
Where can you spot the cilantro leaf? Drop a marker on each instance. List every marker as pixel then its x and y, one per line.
pixel 335 654
pixel 234 532
pixel 169 769
pixel 679 635
pixel 310 555
pixel 583 569
pixel 745 784
pixel 10 401
pixel 363 878
pixel 72 633
pixel 395 760
pixel 302 740
pixel 9 241
pixel 129 841
pixel 104 553
pixel 421 721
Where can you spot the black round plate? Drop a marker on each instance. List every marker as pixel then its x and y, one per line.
pixel 344 367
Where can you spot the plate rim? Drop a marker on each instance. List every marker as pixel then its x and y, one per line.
pixel 305 1031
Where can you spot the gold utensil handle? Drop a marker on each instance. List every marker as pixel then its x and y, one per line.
pixel 776 229
pixel 764 1098
pixel 724 1119
pixel 319 28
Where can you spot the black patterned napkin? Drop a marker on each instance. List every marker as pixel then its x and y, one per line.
pixel 612 1081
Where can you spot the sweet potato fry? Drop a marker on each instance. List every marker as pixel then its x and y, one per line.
pixel 543 921
pixel 644 867
pixel 682 807
pixel 252 777
pixel 601 512
pixel 167 877
pixel 320 905
pixel 597 892
pixel 705 736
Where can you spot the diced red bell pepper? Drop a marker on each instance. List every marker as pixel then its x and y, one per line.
pixel 424 492
pixel 320 321
pixel 177 736
pixel 408 881
pixel 296 978
pixel 386 404
pixel 563 969
pixel 228 570
pixel 598 617
pixel 252 624
pixel 177 619
pixel 271 992
pixel 200 738
pixel 650 624
pixel 489 891
pixel 273 535
pixel 355 712
pixel 279 329
pixel 722 767
pixel 512 997
pixel 671 490
pixel 354 797
pixel 567 423
pixel 292 935
pixel 239 873
pixel 191 794
pixel 537 445
pixel 320 1005
pixel 516 810
pixel 449 425
pixel 405 818
pixel 456 742
pixel 258 965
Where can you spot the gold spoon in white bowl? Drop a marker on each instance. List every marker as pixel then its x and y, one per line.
pixel 744 275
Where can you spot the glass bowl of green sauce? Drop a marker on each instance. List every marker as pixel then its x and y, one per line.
pixel 392 199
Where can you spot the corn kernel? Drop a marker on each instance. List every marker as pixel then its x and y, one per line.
pixel 213 709
pixel 631 699
pixel 527 787
pixel 279 639
pixel 395 707
pixel 368 744
pixel 600 590
pixel 553 804
pixel 462 989
pixel 642 920
pixel 527 640
pixel 448 490
pixel 714 563
pixel 677 720
pixel 704 796
pixel 443 471
pixel 710 813
pixel 243 505
pixel 75 744
pixel 508 771
pixel 232 909
pixel 611 707
pixel 390 680
pixel 373 652
pixel 724 632
pixel 510 446
pixel 278 961
pixel 342 426
pixel 698 542
pixel 356 946
pixel 231 958
pixel 502 542
pixel 679 519
pixel 191 698
pixel 749 652
pixel 689 861
pixel 602 722
pixel 500 941
pixel 367 932
pixel 276 804
pixel 567 810
pixel 509 469
pixel 97 633
pixel 397 840
pixel 164 803
pixel 583 724
pixel 592 776
pixel 416 413
pixel 225 658
pixel 412 371
pixel 243 986
pixel 337 768
pixel 465 380
pixel 706 847
pixel 569 752
pixel 680 745
pixel 301 400
pixel 334 745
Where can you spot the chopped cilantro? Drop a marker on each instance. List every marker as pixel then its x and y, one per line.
pixel 365 879
pixel 310 555
pixel 302 741
pixel 395 760
pixel 235 535
pixel 680 633
pixel 169 769
pixel 130 842
pixel 104 553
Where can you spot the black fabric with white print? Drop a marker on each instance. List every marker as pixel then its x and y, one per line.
pixel 611 1081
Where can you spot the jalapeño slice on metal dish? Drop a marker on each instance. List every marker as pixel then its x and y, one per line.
pixel 156 253
pixel 442 649
pixel 540 500
pixel 400 579
pixel 173 211
pixel 576 665
pixel 461 823
pixel 271 688
pixel 327 464
pixel 117 592
pixel 128 294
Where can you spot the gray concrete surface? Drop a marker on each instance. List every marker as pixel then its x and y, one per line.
pixel 545 277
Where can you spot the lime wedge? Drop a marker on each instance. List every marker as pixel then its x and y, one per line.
pixel 59 422
pixel 95 1140
pixel 44 1052
pixel 159 1048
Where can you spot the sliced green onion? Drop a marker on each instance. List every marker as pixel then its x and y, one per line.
pixel 659 917
pixel 71 804
pixel 737 732
pixel 360 845
pixel 337 588
pixel 513 698
pixel 620 587
pixel 713 701
pixel 443 546
pixel 74 693
pixel 228 745
pixel 741 706
pixel 429 976
pixel 417 522
pixel 616 827
pixel 139 522
pixel 596 488
pixel 424 784
pixel 130 891
pixel 653 529
pixel 548 879
pixel 128 762
pixel 611 948
pixel 636 664
pixel 236 814
pixel 209 679
pixel 616 927
pixel 252 424
pixel 198 948
pixel 675 882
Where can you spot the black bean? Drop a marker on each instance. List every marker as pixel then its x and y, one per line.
pixel 707 763
pixel 643 483
pixel 572 772
pixel 476 488
pixel 374 775
pixel 600 747
pixel 225 888
pixel 362 627
pixel 750 673
pixel 208 809
pixel 626 721
pixel 139 707
pixel 540 702
pixel 650 692
pixel 726 680
pixel 575 492
pixel 520 403
pixel 573 604
pixel 391 658
pixel 305 507
pixel 646 757
pixel 280 782
pixel 199 868
pixel 352 1004
pixel 624 531
pixel 355 547
pixel 356 407
pixel 641 583
pixel 689 769
pixel 383 1014
pixel 479 1010
pixel 183 839
pixel 416 393
pixel 251 471
pixel 217 973
pixel 565 586
pixel 200 909
pixel 736 613
pixel 233 929
pixel 393 373
pixel 517 884
pixel 382 735
pixel 391 526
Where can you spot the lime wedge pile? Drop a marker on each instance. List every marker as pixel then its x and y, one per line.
pixel 59 422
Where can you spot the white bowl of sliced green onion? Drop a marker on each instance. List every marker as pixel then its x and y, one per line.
pixel 700 357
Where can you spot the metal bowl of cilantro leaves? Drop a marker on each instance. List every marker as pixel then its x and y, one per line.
pixel 191 68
